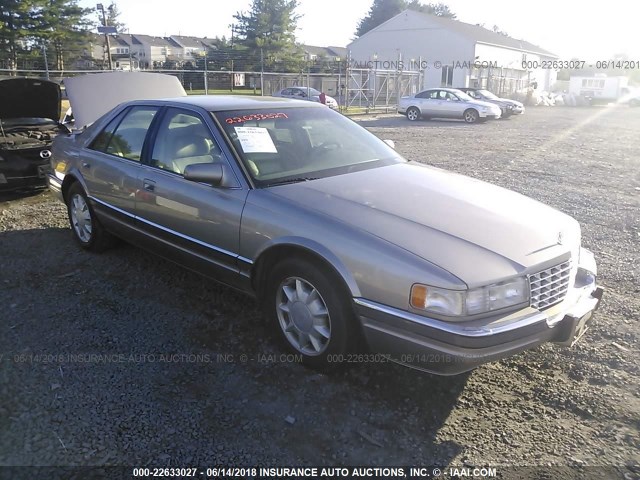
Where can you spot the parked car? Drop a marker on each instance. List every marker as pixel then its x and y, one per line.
pixel 631 97
pixel 446 103
pixel 305 93
pixel 339 238
pixel 29 114
pixel 507 106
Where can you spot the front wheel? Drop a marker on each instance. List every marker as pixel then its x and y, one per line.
pixel 86 228
pixel 310 313
pixel 471 116
pixel 413 114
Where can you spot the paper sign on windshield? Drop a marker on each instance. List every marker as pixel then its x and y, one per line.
pixel 255 140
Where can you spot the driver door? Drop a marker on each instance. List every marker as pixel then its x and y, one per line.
pixel 196 223
pixel 455 106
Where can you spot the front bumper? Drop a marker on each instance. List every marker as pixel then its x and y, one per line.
pixel 491 114
pixel 55 186
pixel 448 348
pixel 23 174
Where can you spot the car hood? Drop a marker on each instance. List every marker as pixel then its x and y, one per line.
pixel 481 103
pixel 476 231
pixel 29 98
pixel 95 94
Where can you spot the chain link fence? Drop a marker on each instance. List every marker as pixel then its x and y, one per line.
pixel 354 89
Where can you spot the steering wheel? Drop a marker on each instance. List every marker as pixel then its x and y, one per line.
pixel 325 147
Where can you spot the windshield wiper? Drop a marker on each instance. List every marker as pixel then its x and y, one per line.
pixel 293 180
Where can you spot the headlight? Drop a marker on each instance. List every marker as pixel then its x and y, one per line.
pixel 457 303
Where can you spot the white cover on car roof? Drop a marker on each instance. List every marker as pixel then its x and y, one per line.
pixel 94 94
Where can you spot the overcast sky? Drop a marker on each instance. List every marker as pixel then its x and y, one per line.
pixel 588 31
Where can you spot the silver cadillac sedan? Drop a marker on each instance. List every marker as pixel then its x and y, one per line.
pixel 342 241
pixel 447 103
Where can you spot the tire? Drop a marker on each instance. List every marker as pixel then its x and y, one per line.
pixel 87 230
pixel 413 114
pixel 310 313
pixel 471 116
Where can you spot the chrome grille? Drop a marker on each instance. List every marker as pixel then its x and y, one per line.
pixel 549 286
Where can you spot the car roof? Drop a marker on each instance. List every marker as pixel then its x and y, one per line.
pixel 446 89
pixel 217 103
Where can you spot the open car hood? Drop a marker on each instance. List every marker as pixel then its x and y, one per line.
pixel 29 98
pixel 95 94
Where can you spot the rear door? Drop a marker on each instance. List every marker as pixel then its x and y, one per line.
pixel 110 165
pixel 424 101
pixel 194 223
pixel 437 104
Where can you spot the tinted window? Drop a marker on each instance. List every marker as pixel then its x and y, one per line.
pixel 102 139
pixel 183 139
pixel 130 131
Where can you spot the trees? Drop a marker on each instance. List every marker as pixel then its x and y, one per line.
pixel 26 26
pixel 380 12
pixel 16 22
pixel 63 25
pixel 383 10
pixel 269 29
pixel 437 9
pixel 113 14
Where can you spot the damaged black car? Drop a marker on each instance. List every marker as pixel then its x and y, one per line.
pixel 29 121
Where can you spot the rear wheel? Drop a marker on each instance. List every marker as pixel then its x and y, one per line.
pixel 471 115
pixel 310 312
pixel 87 230
pixel 413 114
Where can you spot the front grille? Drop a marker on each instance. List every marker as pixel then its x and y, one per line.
pixel 549 286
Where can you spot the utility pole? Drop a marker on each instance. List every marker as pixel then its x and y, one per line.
pixel 100 8
pixel 233 26
pixel 206 80
pixel 46 63
pixel 261 72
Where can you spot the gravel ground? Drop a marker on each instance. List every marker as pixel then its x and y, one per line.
pixel 125 359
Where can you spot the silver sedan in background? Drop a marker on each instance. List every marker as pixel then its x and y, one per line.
pixel 509 107
pixel 306 93
pixel 341 240
pixel 447 103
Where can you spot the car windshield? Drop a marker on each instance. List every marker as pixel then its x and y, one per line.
pixel 488 94
pixel 462 96
pixel 312 91
pixel 283 145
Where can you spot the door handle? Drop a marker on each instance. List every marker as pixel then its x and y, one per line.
pixel 149 185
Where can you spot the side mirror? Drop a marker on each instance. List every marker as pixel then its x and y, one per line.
pixel 212 173
pixel 391 143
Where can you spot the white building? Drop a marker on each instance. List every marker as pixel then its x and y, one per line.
pixel 453 53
